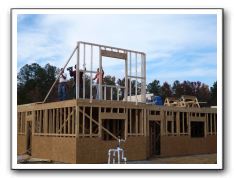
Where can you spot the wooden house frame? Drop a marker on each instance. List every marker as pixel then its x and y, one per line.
pixel 82 130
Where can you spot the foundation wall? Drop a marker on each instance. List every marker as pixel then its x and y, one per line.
pixel 185 145
pixel 95 150
pixel 61 149
pixel 21 144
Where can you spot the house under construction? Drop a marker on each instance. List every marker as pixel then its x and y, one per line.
pixel 82 130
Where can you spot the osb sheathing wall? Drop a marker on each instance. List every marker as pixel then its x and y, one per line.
pixel 21 144
pixel 95 150
pixel 65 146
pixel 61 149
pixel 185 145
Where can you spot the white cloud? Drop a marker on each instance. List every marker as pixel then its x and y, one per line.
pixel 161 37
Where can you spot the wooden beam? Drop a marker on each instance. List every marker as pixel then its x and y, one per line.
pixel 172 124
pixel 57 120
pixel 113 116
pixel 69 120
pixel 33 121
pixel 126 127
pixel 77 128
pixel 73 120
pixel 52 134
pixel 49 121
pixel 142 121
pixel 183 122
pixel 100 126
pixel 130 120
pixel 21 120
pixel 206 125
pixel 100 122
pixel 64 120
pixel 53 130
pixel 45 121
pixel 83 123
pixel 189 124
pixel 166 120
pixel 61 121
pixel 113 54
pixel 41 121
pixel 126 80
pixel 136 117
pixel 90 123
pixel 211 123
pixel 145 122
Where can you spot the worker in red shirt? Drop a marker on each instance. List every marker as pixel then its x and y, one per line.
pixel 99 76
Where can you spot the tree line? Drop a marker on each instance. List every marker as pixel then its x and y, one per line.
pixel 34 82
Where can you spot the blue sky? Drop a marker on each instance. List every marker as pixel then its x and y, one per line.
pixel 178 47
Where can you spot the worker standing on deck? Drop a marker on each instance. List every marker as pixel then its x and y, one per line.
pixel 62 85
pixel 99 76
pixel 73 74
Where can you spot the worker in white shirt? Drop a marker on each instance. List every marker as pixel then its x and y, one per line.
pixel 62 85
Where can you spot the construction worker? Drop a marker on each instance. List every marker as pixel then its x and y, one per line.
pixel 62 85
pixel 73 74
pixel 99 76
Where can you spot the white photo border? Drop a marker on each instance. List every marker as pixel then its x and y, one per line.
pixel 18 11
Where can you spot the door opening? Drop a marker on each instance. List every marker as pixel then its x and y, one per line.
pixel 154 129
pixel 29 137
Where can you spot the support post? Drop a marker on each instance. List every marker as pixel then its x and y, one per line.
pixel 145 122
pixel 126 79
pixel 45 123
pixel 126 125
pixel 33 122
pixel 130 120
pixel 100 123
pixel 189 123
pixel 84 75
pixel 77 121
pixel 178 123
pixel 130 88
pixel 136 80
pixel 183 122
pixel 69 120
pixel 90 123
pixel 57 120
pixel 143 79
pixel 100 77
pixel 91 76
pixel 83 127
pixel 78 72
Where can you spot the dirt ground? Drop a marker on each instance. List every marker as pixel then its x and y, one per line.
pixel 193 159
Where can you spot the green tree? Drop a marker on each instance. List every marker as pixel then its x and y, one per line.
pixel 177 89
pixel 165 91
pixel 203 94
pixel 33 83
pixel 213 94
pixel 154 87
